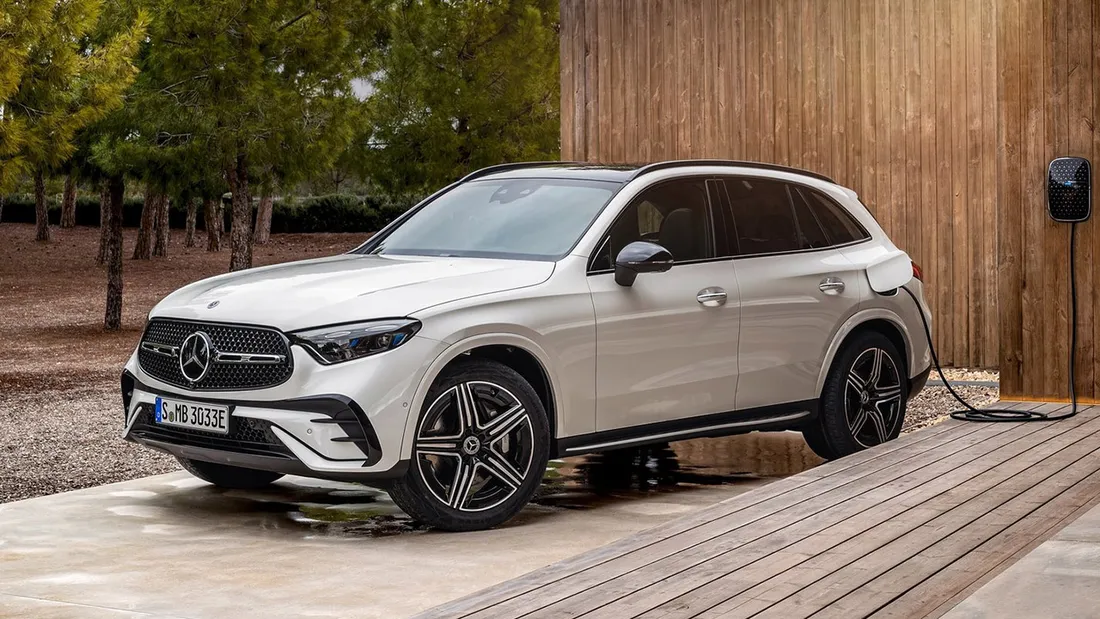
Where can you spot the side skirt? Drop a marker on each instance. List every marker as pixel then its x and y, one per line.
pixel 789 416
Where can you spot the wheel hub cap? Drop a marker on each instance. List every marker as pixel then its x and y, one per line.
pixel 471 445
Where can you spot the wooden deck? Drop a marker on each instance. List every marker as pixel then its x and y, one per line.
pixel 907 529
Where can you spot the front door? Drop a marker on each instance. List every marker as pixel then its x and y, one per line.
pixel 666 347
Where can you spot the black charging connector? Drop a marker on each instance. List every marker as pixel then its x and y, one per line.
pixel 971 413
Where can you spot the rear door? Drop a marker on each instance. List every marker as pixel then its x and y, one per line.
pixel 796 289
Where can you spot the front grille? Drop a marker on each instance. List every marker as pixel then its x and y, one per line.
pixel 246 435
pixel 221 376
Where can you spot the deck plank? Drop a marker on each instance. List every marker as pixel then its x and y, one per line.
pixel 896 531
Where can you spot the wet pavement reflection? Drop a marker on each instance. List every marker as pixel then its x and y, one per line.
pixel 585 482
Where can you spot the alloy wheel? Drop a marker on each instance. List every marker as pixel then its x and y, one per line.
pixel 872 397
pixel 474 446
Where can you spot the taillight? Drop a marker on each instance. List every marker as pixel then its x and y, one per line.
pixel 917 272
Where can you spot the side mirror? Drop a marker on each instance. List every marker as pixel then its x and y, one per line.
pixel 640 257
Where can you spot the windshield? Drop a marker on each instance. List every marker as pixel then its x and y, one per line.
pixel 526 219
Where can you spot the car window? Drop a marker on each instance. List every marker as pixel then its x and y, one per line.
pixel 673 214
pixel 532 219
pixel 839 225
pixel 763 217
pixel 810 233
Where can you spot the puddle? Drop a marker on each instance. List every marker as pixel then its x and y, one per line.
pixel 320 508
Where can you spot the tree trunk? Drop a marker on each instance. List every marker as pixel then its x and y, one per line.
pixel 104 221
pixel 144 248
pixel 212 214
pixel 263 218
pixel 241 233
pixel 112 319
pixel 161 225
pixel 41 214
pixel 192 221
pixel 1 208
pixel 68 202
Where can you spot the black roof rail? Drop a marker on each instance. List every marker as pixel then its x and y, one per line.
pixel 664 165
pixel 505 167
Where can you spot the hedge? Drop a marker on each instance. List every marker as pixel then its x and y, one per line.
pixel 331 213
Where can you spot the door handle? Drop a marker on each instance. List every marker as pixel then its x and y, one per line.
pixel 831 285
pixel 711 297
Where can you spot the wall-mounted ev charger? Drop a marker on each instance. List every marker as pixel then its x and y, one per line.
pixel 1069 200
pixel 1069 190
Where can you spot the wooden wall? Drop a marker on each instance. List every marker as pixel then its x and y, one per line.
pixel 894 98
pixel 1049 100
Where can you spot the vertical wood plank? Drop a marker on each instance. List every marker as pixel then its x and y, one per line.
pixel 911 61
pixel 974 149
pixel 605 53
pixel 1089 304
pixel 767 81
pixel 752 63
pixel 580 93
pixel 795 93
pixel 619 120
pixel 696 87
pixel 565 59
pixel 986 354
pixel 1054 236
pixel 1010 224
pixel 961 275
pixel 591 81
pixel 1080 87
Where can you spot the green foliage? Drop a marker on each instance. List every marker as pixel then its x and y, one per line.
pixel 463 85
pixel 336 213
pixel 269 80
pixel 65 82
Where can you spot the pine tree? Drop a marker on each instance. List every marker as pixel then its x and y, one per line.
pixel 260 83
pixel 462 85
pixel 64 84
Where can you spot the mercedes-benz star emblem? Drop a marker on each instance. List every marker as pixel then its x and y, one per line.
pixel 195 356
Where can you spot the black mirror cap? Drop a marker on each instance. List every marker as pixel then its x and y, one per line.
pixel 640 257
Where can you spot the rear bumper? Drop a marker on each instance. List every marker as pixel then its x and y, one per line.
pixel 918 382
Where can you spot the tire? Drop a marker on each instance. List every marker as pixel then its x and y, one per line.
pixel 472 474
pixel 858 409
pixel 225 476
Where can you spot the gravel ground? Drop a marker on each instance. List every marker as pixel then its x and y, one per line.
pixel 935 404
pixel 60 411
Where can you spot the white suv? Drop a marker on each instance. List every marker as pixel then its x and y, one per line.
pixel 532 311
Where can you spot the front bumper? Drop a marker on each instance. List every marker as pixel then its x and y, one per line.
pixel 264 435
pixel 345 421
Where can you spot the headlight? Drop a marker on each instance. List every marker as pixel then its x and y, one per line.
pixel 352 341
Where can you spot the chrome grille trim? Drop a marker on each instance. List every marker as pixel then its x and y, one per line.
pixel 244 357
pixel 161 349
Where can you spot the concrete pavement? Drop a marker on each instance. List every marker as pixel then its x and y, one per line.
pixel 173 546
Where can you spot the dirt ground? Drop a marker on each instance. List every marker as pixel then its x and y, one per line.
pixel 60 411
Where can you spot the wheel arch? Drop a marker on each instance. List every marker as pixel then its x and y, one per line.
pixel 880 320
pixel 512 350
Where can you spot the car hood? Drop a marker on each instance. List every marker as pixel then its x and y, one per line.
pixel 345 288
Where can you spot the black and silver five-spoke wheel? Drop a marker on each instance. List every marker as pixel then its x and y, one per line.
pixel 480 450
pixel 863 400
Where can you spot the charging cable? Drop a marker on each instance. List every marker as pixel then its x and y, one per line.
pixel 970 413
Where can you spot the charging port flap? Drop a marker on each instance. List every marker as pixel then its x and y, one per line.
pixel 890 271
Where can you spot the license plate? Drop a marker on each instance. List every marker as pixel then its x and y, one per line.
pixel 205 417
